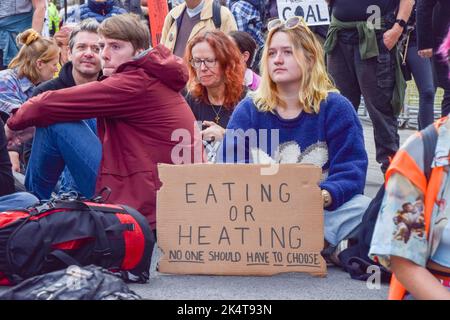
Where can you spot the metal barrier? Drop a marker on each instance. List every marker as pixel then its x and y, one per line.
pixel 408 117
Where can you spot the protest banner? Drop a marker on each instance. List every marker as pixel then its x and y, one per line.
pixel 157 12
pixel 228 219
pixel 315 12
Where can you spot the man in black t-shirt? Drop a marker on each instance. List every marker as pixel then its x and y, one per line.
pixel 373 75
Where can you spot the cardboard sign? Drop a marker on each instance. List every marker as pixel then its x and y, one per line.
pixel 315 12
pixel 228 219
pixel 157 12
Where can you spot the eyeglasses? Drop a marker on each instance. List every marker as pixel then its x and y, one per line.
pixel 209 63
pixel 290 23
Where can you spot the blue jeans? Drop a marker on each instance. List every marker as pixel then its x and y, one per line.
pixel 66 183
pixel 71 144
pixel 422 72
pixel 338 224
pixel 18 200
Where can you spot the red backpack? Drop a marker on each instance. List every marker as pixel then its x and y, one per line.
pixel 69 231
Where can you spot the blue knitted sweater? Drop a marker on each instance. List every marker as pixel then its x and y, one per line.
pixel 97 10
pixel 332 139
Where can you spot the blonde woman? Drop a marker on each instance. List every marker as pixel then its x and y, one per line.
pixel 314 123
pixel 36 62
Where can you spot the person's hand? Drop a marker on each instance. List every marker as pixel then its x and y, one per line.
pixel 425 53
pixel 15 160
pixel 17 138
pixel 213 132
pixel 391 36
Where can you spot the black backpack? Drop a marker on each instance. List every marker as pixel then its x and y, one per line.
pixel 74 283
pixel 69 231
pixel 355 259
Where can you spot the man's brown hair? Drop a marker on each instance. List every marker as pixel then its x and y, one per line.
pixel 126 27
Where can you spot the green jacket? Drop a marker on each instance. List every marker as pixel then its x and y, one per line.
pixel 368 47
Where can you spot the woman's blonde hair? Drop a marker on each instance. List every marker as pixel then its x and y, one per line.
pixel 34 48
pixel 314 83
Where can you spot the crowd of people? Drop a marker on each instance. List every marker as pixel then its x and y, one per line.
pixel 97 105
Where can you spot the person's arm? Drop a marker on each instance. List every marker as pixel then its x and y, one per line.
pixel 38 15
pixel 109 98
pixel 10 97
pixel 119 96
pixel 244 13
pixel 346 152
pixel 240 18
pixel 14 157
pixel 168 21
pixel 424 27
pixel 6 177
pixel 417 280
pixel 391 36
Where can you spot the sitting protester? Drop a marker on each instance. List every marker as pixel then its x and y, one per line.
pixel 247 46
pixel 84 66
pixel 9 199
pixel 297 103
pixel 412 233
pixel 215 86
pixel 138 109
pixel 36 62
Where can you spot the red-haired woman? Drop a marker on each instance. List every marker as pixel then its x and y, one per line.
pixel 215 87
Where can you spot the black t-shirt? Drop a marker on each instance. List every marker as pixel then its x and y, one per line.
pixel 357 10
pixel 207 112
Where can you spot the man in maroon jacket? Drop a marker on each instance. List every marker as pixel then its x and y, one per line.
pixel 138 108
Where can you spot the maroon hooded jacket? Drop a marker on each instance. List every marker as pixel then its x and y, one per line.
pixel 137 110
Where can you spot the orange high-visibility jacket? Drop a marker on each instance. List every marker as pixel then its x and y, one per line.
pixel 404 164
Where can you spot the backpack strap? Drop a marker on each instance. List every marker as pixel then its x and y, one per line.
pixel 429 139
pixel 64 258
pixel 217 19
